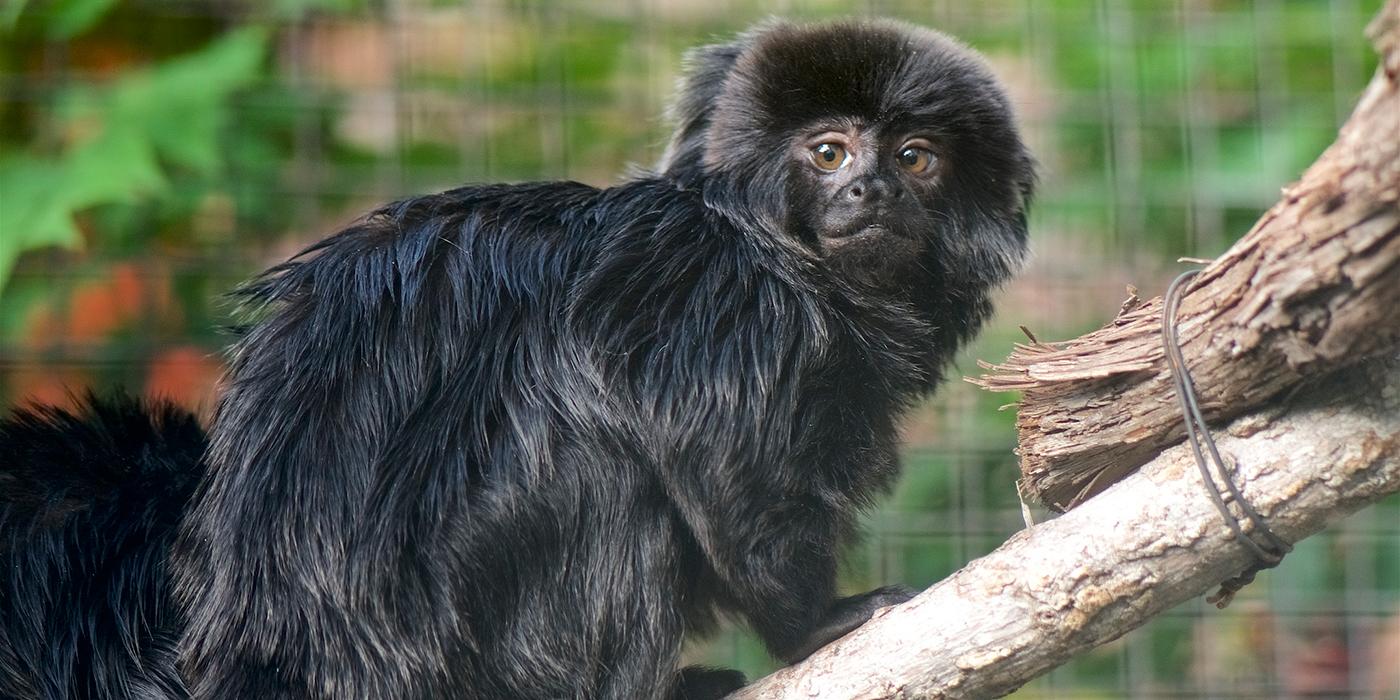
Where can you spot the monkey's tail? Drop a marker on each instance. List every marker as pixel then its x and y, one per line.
pixel 90 503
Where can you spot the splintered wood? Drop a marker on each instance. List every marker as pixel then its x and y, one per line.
pixel 1313 287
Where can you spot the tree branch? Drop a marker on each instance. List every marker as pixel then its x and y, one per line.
pixel 1146 544
pixel 1314 286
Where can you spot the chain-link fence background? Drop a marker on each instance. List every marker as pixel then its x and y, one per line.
pixel 154 153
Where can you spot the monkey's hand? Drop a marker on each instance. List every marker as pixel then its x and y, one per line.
pixel 702 683
pixel 846 614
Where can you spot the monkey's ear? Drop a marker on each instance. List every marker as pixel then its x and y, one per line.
pixel 994 216
pixel 705 70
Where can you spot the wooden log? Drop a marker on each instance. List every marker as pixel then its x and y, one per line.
pixel 1314 286
pixel 1148 543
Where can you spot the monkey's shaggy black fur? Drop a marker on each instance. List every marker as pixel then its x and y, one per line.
pixel 519 441
pixel 89 506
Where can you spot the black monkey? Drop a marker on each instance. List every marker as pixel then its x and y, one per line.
pixel 519 441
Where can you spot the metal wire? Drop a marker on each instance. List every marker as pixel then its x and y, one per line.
pixel 1272 550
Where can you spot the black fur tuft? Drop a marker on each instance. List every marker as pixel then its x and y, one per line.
pixel 89 504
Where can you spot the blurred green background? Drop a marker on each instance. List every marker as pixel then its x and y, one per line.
pixel 153 153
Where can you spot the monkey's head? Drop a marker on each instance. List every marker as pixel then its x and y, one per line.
pixel 888 151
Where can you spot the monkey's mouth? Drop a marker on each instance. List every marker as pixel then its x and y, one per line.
pixel 865 232
pixel 875 249
pixel 869 237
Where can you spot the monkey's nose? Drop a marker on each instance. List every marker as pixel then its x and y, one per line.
pixel 873 190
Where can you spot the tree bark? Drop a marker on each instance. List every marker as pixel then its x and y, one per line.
pixel 1314 286
pixel 1146 544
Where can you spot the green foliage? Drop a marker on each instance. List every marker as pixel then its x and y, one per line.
pixel 34 208
pixel 125 141
pixel 292 9
pixel 69 18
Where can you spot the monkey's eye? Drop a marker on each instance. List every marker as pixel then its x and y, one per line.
pixel 915 159
pixel 829 156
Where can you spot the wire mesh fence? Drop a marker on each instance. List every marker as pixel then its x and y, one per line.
pixel 155 153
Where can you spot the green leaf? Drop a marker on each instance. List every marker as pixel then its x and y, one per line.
pixel 174 112
pixel 69 18
pixel 293 9
pixel 9 13
pixel 117 166
pixel 180 105
pixel 33 212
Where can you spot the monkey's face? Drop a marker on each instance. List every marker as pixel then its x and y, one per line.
pixel 858 194
pixel 888 151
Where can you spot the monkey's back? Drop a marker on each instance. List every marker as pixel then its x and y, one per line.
pixel 456 424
